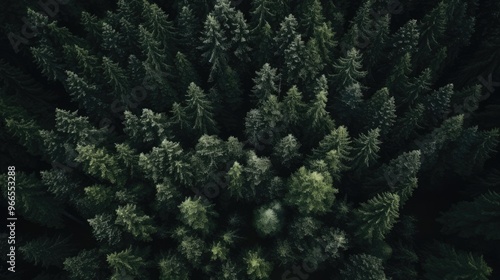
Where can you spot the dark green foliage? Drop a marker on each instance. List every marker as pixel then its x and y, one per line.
pixel 449 263
pixel 367 147
pixel 125 265
pixel 477 218
pixel 197 214
pixel 84 266
pixel 311 191
pixel 134 222
pixel 363 267
pixel 219 139
pixel 47 251
pixel 34 202
pixel 268 219
pixel 376 217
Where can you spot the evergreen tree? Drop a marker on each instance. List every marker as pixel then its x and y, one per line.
pixel 187 73
pixel 367 147
pixel 363 267
pixel 85 265
pixel 265 83
pixel 197 214
pixel 199 109
pixel 311 192
pixel 104 229
pixel 215 44
pixel 348 70
pixel 317 113
pixel 187 29
pixel 376 217
pixel 261 13
pixel 125 264
pixel 380 111
pixel 172 267
pixel 268 219
pixel 311 15
pixel 286 151
pixel 98 162
pixel 293 106
pixel 134 222
pixel 257 266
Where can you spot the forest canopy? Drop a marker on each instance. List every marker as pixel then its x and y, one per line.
pixel 263 139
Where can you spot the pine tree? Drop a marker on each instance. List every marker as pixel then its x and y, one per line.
pixel 159 25
pixel 150 127
pixel 401 174
pixel 438 104
pixel 311 192
pixel 348 104
pixel 293 106
pixel 156 61
pixel 310 15
pixel 265 44
pixel 367 147
pixel 380 111
pixel 363 267
pixel 418 86
pixel 348 70
pixel 100 163
pixel 240 38
pixel 407 125
pixel 286 151
pixel 105 230
pixel 265 83
pixel 405 40
pixel 448 263
pixel 325 39
pixel 199 109
pixel 295 57
pixel 235 180
pixel 257 266
pixel 187 73
pixel 268 219
pixel 85 265
pixel 287 33
pixel 215 44
pixel 173 268
pixel 134 222
pixel 376 217
pixel 197 214
pixel 338 140
pixel 188 27
pixel 125 264
pixel 317 113
pixel 261 13
pixel 193 249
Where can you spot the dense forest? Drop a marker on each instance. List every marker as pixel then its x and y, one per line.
pixel 263 139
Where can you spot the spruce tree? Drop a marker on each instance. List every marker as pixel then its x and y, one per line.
pixel 376 217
